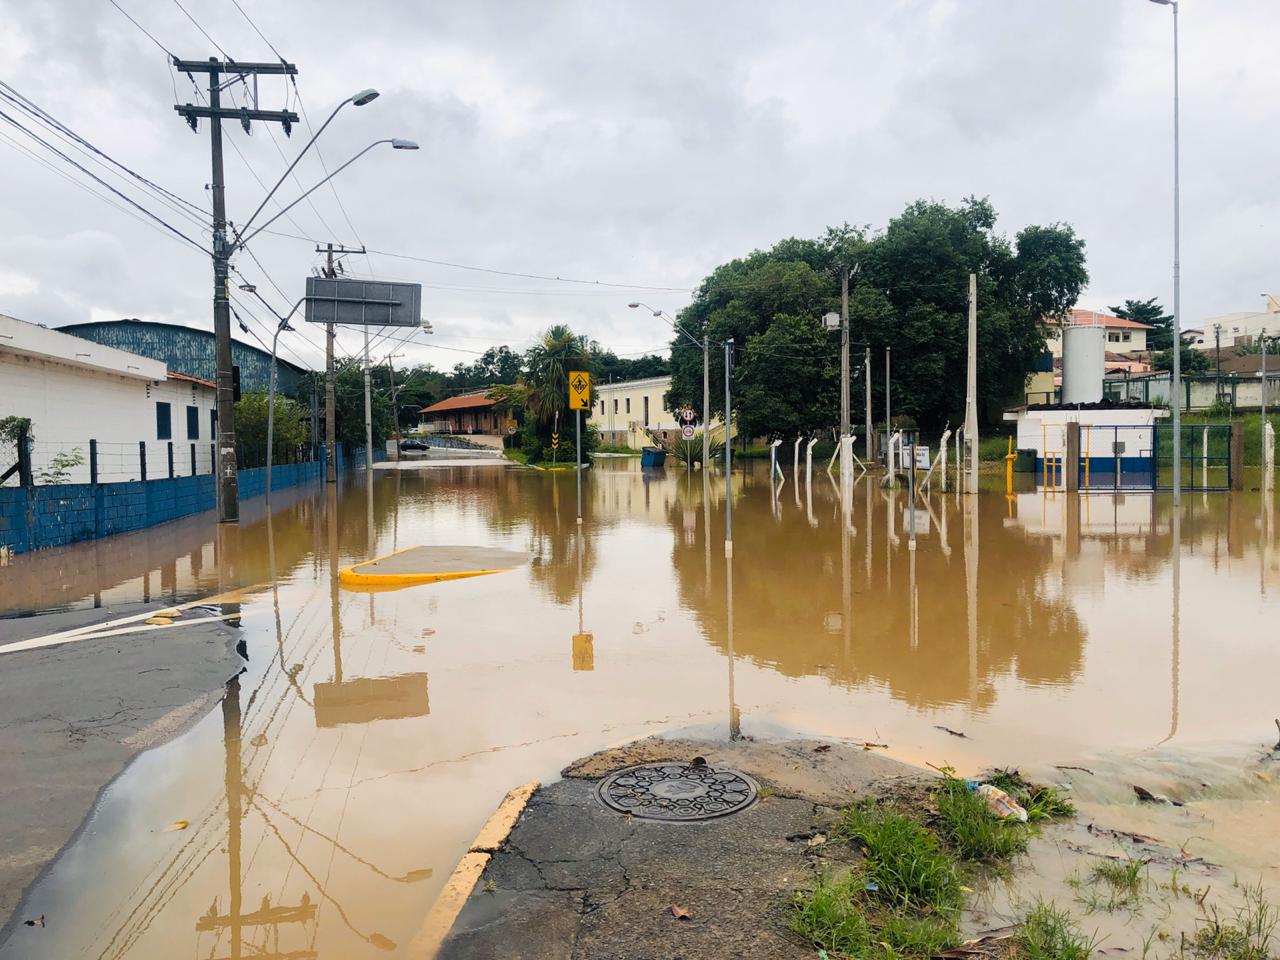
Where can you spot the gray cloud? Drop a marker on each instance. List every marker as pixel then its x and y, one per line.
pixel 647 143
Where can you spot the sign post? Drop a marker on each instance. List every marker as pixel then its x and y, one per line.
pixel 579 400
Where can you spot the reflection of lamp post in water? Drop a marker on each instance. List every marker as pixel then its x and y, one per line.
pixel 583 642
pixel 971 590
pixel 735 718
pixel 1175 626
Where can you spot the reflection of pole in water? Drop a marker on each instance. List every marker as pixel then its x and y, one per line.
pixel 231 746
pixel 331 508
pixel 867 526
pixel 846 573
pixel 1175 650
pixel 735 719
pixel 583 654
pixel 706 527
pixel 971 590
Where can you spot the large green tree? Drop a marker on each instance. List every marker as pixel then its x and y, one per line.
pixel 1160 336
pixel 909 294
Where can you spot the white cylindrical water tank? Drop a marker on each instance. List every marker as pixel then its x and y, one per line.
pixel 1084 354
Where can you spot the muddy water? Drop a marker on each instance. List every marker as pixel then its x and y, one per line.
pixel 372 733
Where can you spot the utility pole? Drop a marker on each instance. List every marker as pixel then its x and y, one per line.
pixel 971 393
pixel 330 403
pixel 706 403
pixel 368 420
pixel 866 361
pixel 227 483
pixel 1217 361
pixel 888 390
pixel 395 408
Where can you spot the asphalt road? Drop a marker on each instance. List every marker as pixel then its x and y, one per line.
pixel 73 716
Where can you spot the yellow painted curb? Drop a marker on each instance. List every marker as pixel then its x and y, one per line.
pixel 440 919
pixel 391 581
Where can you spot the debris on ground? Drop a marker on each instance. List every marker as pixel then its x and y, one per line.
pixel 37 922
pixel 681 913
pixel 1062 766
pixel 177 825
pixel 1146 796
pixel 999 802
pixel 954 733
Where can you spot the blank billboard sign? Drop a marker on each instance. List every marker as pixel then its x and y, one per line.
pixel 363 302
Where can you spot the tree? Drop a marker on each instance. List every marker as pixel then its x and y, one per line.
pixel 1160 336
pixel 910 295
pixel 291 432
pixel 789 380
pixel 548 364
pixel 495 365
pixel 1192 360
pixel 609 366
pixel 349 403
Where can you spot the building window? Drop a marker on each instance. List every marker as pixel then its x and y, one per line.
pixel 1113 337
pixel 646 412
pixel 615 404
pixel 213 424
pixel 628 404
pixel 164 421
pixel 193 423
pixel 1126 336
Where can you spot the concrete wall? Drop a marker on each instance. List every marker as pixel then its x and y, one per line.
pixel 32 518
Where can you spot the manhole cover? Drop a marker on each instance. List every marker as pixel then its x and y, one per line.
pixel 677 791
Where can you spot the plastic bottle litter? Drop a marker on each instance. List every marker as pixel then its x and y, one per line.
pixel 1000 803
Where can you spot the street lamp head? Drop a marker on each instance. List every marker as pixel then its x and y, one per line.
pixel 633 305
pixel 1166 3
pixel 248 288
pixel 364 96
pixel 398 144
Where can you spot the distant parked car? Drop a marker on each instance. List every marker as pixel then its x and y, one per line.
pixel 413 445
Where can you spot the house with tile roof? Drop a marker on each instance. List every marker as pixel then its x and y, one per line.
pixel 1123 336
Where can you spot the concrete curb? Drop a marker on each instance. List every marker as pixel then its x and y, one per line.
pixel 439 921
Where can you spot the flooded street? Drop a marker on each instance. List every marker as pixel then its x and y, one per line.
pixel 372 733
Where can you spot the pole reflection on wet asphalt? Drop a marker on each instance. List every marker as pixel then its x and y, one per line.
pixel 328 798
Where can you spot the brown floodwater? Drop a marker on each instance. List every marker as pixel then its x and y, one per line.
pixel 371 734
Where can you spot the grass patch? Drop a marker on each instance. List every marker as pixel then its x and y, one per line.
pixel 1247 936
pixel 1112 885
pixel 1048 933
pixel 517 456
pixel 903 859
pixel 844 918
pixel 975 834
pixel 831 917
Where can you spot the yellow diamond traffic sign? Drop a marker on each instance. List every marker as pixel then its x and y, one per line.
pixel 579 390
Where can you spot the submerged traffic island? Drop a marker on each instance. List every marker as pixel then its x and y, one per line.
pixel 802 848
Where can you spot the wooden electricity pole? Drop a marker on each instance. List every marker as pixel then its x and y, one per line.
pixel 228 487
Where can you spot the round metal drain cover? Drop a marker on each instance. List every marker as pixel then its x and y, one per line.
pixel 677 792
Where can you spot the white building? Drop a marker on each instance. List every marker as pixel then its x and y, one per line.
pixel 74 391
pixel 626 409
pixel 1235 329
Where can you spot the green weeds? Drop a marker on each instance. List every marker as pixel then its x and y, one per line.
pixel 904 898
pixel 1040 802
pixel 1112 885
pixel 1247 936
pixel 903 859
pixel 1048 933
pixel 966 824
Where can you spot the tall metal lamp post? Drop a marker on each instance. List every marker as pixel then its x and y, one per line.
pixel 1175 386
pixel 706 378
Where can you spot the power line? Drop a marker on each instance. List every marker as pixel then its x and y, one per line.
pixel 127 199
pixel 143 29
pixel 256 30
pixel 202 30
pixel 169 198
pixel 493 270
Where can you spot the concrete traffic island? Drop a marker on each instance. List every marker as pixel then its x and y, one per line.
pixel 429 564
pixel 577 879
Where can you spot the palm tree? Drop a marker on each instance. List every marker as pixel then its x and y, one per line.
pixel 549 363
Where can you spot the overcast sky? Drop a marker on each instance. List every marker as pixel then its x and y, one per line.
pixel 644 143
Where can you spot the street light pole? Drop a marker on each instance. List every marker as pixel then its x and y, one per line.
pixel 728 446
pixel 1176 381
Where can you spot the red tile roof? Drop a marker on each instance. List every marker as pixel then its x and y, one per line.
pixel 464 401
pixel 1092 318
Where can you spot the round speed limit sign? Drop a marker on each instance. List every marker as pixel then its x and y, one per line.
pixel 687 433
